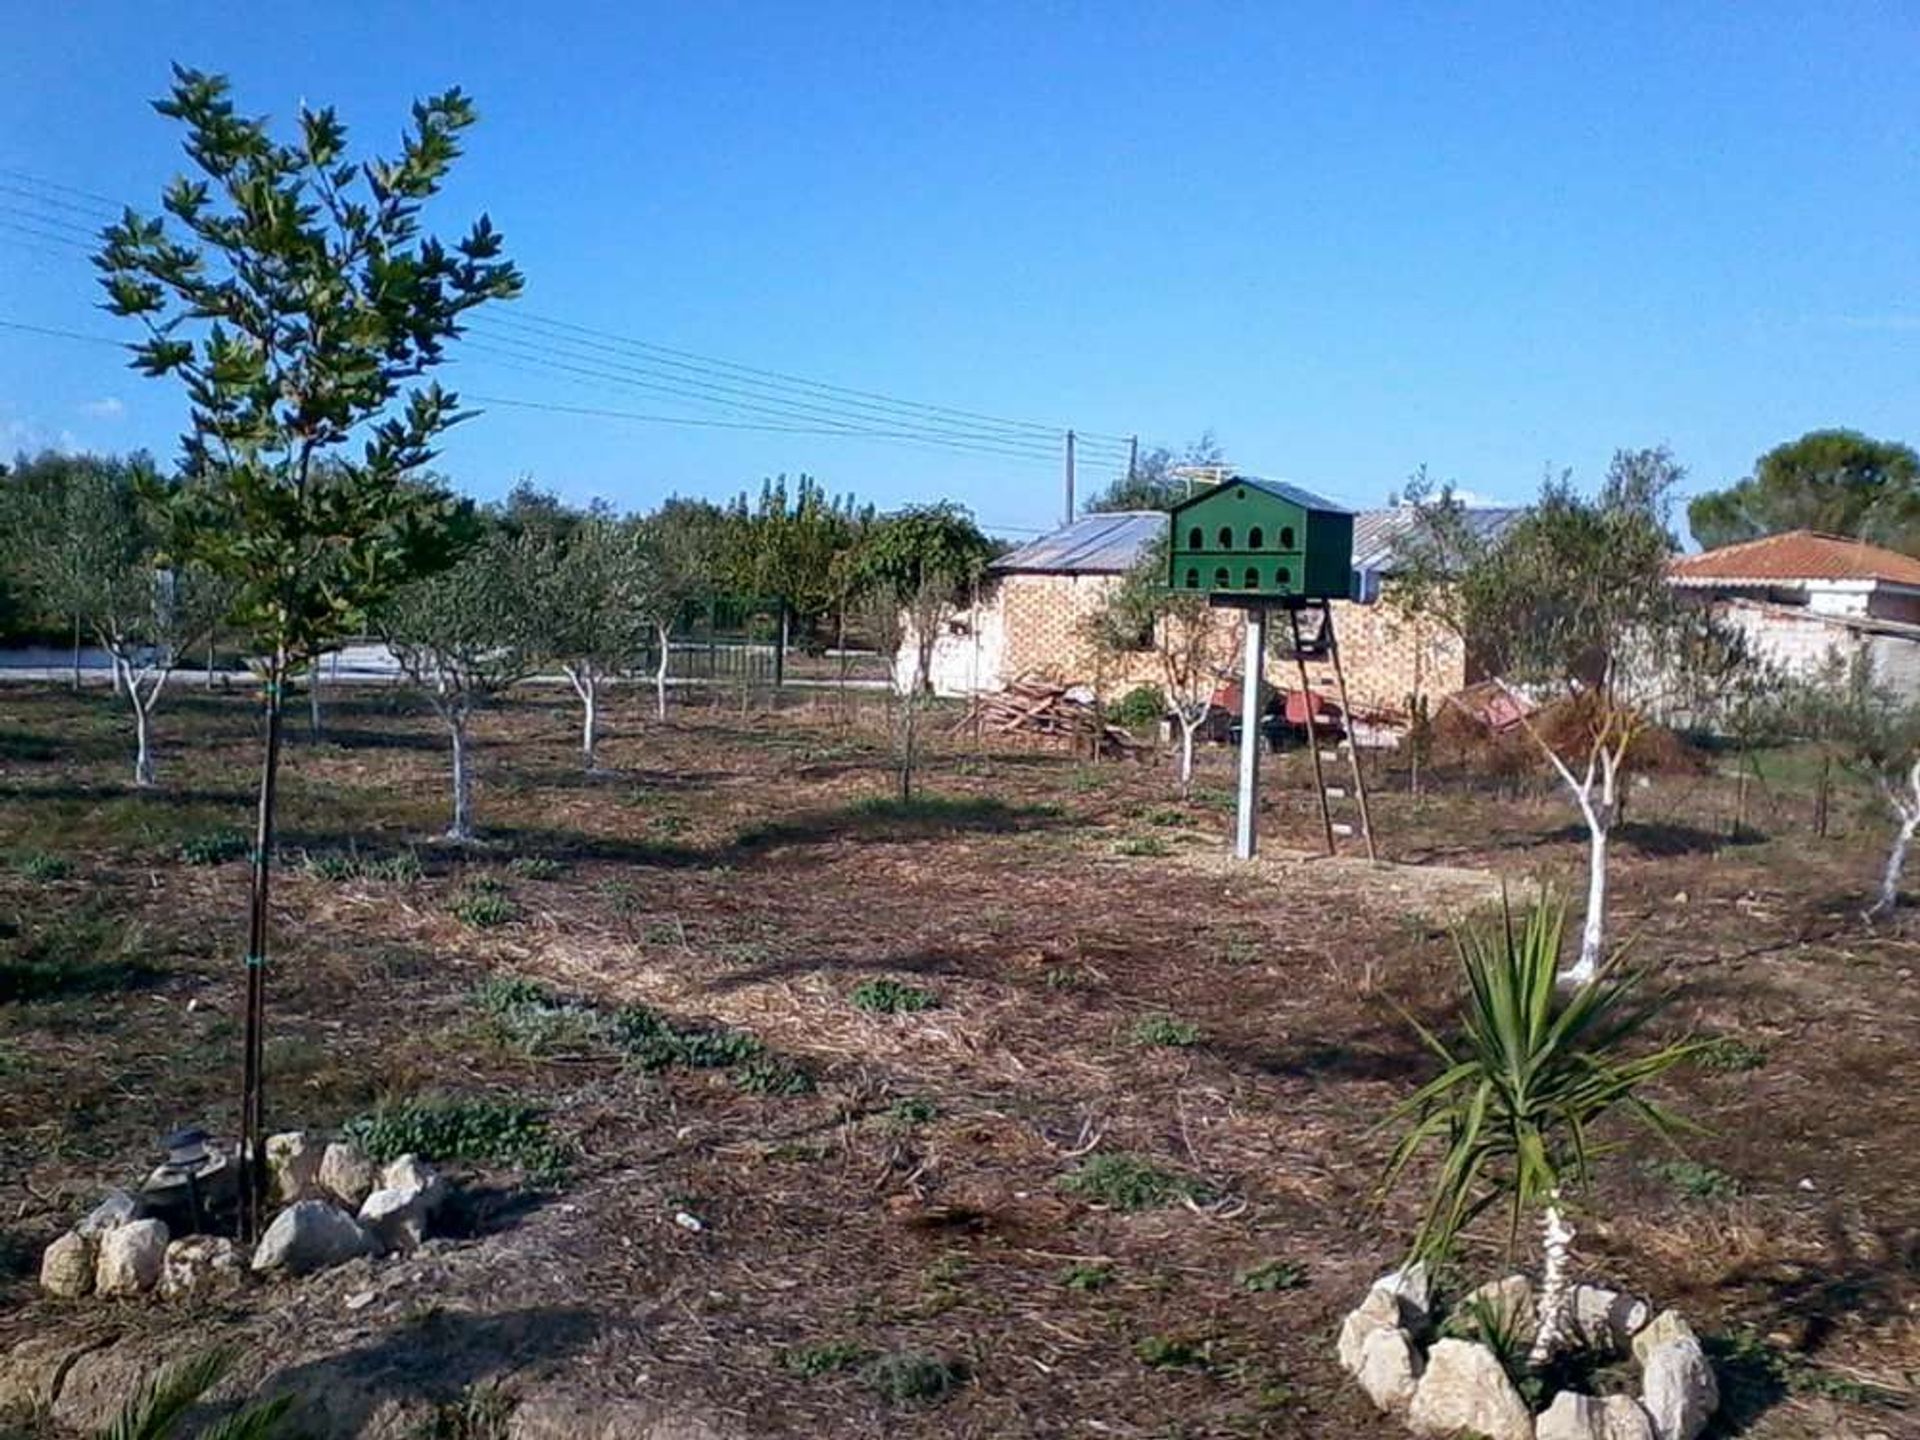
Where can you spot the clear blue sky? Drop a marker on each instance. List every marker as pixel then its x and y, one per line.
pixel 1349 239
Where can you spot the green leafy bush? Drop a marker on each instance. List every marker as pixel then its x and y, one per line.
pixel 1165 1030
pixel 1141 706
pixel 1128 1182
pixel 479 1131
pixel 535 1021
pixel 891 997
pixel 1175 1352
pixel 768 1075
pixel 1272 1275
pixel 651 1041
pixel 41 866
pixel 907 1376
pixel 214 847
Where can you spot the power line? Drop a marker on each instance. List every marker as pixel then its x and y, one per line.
pixel 59 334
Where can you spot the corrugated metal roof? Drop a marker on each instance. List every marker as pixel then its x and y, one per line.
pixel 1796 555
pixel 1286 490
pixel 1376 533
pixel 1109 544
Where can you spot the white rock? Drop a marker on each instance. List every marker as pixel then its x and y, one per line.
pixel 117 1208
pixel 311 1235
pixel 1667 1325
pixel 1573 1416
pixel 1379 1311
pixel 1606 1320
pixel 131 1258
pixel 410 1172
pixel 397 1217
pixel 66 1266
pixel 293 1166
pixel 201 1265
pixel 1412 1287
pixel 1678 1389
pixel 1625 1420
pixel 1464 1390
pixel 1389 1369
pixel 347 1174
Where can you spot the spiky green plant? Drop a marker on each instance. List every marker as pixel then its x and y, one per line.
pixel 169 1397
pixel 1535 1068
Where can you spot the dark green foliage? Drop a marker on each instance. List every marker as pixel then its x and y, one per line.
pixel 1141 706
pixel 1730 1053
pixel 537 1022
pixel 828 1358
pixel 767 1075
pixel 41 866
pixel 169 1400
pixel 483 904
pixel 1175 1352
pixel 1756 1375
pixel 891 997
pixel 1837 481
pixel 651 1041
pixel 480 1131
pixel 1128 1182
pixel 1165 1030
pixel 909 1377
pixel 1522 1086
pixel 1087 1278
pixel 216 847
pixel 1693 1178
pixel 912 1110
pixel 1271 1275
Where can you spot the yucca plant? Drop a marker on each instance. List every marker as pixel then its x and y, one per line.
pixel 1513 1111
pixel 171 1395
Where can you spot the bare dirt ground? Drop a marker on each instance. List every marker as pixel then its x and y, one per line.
pixel 1105 985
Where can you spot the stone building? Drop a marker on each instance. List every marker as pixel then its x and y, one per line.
pixel 1027 619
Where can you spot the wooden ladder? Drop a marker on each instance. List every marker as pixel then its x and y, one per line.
pixel 1318 646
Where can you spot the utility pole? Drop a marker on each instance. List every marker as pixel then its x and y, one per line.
pixel 1069 519
pixel 1133 456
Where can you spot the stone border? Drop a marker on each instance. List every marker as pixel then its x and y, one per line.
pixel 1454 1386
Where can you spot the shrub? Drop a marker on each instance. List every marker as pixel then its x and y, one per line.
pixel 1143 705
pixel 1128 1182
pixel 480 1131
pixel 1174 1352
pixel 829 1358
pixel 907 1376
pixel 1272 1275
pixel 214 847
pixel 890 997
pixel 484 905
pixel 41 866
pixel 766 1075
pixel 1165 1030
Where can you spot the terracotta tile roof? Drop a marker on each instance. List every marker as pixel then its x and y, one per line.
pixel 1797 555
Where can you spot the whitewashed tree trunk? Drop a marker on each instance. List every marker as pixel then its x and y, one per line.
pixel 1186 758
pixel 1907 808
pixel 313 699
pixel 585 680
pixel 1550 1315
pixel 660 673
pixel 143 775
pixel 462 827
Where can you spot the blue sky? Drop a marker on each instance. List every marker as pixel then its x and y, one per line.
pixel 1348 239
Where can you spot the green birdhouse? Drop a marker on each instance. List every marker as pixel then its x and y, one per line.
pixel 1260 541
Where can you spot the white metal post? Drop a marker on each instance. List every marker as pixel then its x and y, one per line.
pixel 1253 676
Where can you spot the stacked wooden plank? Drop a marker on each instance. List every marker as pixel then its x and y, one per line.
pixel 1032 706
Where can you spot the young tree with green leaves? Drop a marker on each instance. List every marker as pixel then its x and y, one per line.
pixel 1154 481
pixel 1184 633
pixel 295 297
pixel 910 573
pixel 1570 604
pixel 1837 481
pixel 465 634
pixel 86 537
pixel 677 549
pixel 1523 1086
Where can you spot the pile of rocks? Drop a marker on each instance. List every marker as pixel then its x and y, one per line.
pixel 1458 1386
pixel 338 1206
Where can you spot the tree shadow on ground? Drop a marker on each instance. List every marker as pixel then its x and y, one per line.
pixel 436 1358
pixel 1664 839
pixel 926 817
pixel 925 965
pixel 1874 1282
pixel 1375 1052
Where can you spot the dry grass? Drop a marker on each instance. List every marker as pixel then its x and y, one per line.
pixel 913 1205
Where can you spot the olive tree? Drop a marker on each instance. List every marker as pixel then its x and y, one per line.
pixel 1184 634
pixel 1571 604
pixel 463 635
pixel 676 550
pixel 294 296
pixel 86 536
pixel 910 572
